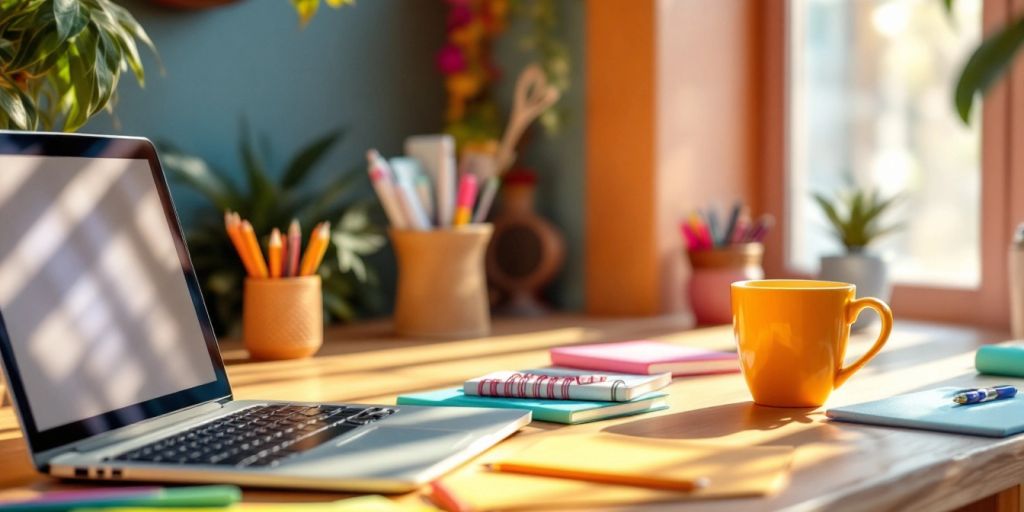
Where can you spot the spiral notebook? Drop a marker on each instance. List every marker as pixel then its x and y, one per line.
pixel 566 384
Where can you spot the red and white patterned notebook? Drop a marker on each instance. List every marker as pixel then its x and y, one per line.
pixel 646 357
pixel 566 384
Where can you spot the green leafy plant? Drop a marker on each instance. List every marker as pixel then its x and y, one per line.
pixel 349 285
pixel 855 217
pixel 987 64
pixel 60 60
pixel 551 52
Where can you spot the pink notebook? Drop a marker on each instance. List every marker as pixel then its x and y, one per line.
pixel 645 357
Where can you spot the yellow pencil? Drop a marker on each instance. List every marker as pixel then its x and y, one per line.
pixel 231 224
pixel 259 264
pixel 325 235
pixel 309 259
pixel 275 254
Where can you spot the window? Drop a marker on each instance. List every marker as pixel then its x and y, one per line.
pixel 870 103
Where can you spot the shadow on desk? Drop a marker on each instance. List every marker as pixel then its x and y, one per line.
pixel 722 421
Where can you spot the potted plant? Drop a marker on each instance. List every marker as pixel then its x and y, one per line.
pixel 60 60
pixel 271 199
pixel 856 220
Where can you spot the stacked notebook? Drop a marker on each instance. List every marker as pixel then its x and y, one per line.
pixel 589 383
pixel 646 357
pixel 558 395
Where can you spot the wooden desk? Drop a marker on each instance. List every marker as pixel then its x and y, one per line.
pixel 837 466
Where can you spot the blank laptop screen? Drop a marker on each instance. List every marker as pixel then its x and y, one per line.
pixel 92 291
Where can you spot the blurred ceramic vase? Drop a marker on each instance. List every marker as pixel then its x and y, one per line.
pixel 868 272
pixel 714 271
pixel 442 288
pixel 527 251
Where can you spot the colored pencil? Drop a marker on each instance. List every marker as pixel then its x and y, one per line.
pixel 692 243
pixel 313 250
pixel 325 236
pixel 275 254
pixel 231 224
pixel 730 226
pixel 253 246
pixel 294 248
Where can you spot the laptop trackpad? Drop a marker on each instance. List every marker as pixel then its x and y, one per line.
pixel 387 450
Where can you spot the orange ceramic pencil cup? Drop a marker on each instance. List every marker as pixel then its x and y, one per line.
pixel 282 318
pixel 792 337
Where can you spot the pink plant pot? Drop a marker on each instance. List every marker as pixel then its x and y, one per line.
pixel 713 271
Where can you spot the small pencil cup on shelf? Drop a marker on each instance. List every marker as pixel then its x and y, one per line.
pixel 714 271
pixel 442 285
pixel 283 318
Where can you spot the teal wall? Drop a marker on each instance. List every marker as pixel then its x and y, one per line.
pixel 557 158
pixel 369 67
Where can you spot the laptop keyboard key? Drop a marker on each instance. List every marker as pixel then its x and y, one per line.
pixel 261 436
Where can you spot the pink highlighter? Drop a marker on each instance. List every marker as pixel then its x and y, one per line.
pixel 465 199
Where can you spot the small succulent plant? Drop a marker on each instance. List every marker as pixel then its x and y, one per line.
pixel 856 217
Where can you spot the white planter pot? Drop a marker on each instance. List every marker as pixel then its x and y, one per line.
pixel 868 272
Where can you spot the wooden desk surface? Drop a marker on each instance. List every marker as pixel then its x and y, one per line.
pixel 837 466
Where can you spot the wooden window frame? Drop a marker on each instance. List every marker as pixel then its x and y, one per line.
pixel 1002 190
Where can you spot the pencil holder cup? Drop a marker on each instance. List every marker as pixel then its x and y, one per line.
pixel 714 271
pixel 282 318
pixel 442 285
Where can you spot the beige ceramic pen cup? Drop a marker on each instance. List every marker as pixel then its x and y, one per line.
pixel 283 318
pixel 442 286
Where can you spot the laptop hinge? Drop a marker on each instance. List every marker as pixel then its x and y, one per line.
pixel 146 426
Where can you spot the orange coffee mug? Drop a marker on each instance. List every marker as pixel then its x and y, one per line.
pixel 792 336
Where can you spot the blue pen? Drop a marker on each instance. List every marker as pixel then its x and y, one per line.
pixel 974 396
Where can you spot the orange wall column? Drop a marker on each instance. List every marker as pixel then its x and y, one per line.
pixel 621 253
pixel 672 125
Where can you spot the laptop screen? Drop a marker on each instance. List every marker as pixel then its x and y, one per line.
pixel 98 312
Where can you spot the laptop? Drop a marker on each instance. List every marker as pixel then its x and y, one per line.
pixel 113 365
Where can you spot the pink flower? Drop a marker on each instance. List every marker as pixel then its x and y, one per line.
pixel 450 60
pixel 459 15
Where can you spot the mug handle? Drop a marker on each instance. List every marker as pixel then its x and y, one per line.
pixel 853 310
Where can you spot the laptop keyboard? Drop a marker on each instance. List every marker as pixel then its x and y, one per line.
pixel 260 436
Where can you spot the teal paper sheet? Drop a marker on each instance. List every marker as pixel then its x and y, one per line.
pixel 934 410
pixel 557 411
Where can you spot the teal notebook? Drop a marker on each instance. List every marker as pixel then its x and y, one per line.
pixel 935 410
pixel 555 411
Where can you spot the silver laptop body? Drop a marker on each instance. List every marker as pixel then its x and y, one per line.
pixel 112 362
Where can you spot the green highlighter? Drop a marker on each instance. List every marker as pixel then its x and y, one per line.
pixel 1002 360
pixel 156 497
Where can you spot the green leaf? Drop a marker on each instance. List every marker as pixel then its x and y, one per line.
pixel 987 65
pixel 338 307
pixel 830 212
pixel 15 112
pixel 65 13
pixel 194 171
pixel 83 81
pixel 264 194
pixel 307 158
pixel 321 201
